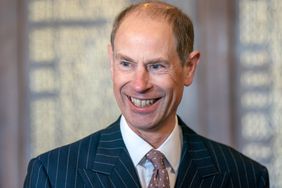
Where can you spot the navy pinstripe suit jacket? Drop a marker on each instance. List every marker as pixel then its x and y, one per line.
pixel 102 160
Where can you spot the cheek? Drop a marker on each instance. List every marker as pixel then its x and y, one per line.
pixel 170 81
pixel 119 79
pixel 173 86
pixel 115 80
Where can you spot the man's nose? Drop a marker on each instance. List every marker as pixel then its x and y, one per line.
pixel 141 80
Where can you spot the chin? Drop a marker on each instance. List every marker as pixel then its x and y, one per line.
pixel 143 125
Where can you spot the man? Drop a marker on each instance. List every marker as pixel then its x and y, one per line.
pixel 152 59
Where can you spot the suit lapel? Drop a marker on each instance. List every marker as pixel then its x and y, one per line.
pixel 197 167
pixel 112 165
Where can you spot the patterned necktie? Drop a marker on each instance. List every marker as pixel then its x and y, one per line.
pixel 160 175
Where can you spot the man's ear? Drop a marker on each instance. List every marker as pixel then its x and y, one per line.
pixel 190 67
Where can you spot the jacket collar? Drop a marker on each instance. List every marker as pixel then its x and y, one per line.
pixel 196 161
pixel 113 166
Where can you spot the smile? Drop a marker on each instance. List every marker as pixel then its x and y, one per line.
pixel 142 102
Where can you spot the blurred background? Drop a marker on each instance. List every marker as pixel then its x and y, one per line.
pixel 55 84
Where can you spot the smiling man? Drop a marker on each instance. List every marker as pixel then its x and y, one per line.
pixel 152 60
pixel 148 75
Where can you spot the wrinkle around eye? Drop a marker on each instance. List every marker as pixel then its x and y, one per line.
pixel 125 65
pixel 157 68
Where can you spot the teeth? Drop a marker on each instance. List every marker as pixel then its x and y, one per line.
pixel 142 103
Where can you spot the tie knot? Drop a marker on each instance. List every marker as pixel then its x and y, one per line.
pixel 157 158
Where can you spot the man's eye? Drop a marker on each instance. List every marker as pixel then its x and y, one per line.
pixel 156 66
pixel 125 63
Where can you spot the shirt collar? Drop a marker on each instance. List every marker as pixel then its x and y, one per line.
pixel 138 148
pixel 172 146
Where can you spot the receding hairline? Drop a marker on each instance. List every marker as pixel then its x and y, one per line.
pixel 179 22
pixel 149 9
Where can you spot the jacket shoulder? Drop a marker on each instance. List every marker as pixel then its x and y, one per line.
pixel 59 167
pixel 76 149
pixel 242 169
pixel 79 150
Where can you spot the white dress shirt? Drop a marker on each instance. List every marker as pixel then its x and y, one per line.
pixel 138 148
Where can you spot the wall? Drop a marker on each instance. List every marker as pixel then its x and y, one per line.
pixel 9 89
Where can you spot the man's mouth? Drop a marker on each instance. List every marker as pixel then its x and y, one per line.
pixel 142 102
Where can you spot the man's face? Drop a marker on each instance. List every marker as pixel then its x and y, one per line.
pixel 148 77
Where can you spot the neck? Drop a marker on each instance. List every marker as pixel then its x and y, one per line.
pixel 155 137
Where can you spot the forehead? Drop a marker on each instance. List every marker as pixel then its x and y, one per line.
pixel 140 22
pixel 143 37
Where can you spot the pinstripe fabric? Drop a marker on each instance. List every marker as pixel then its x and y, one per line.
pixel 101 160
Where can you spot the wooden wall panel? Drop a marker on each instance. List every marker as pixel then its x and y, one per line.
pixel 216 26
pixel 9 163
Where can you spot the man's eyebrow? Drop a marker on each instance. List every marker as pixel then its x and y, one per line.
pixel 121 56
pixel 150 61
pixel 157 60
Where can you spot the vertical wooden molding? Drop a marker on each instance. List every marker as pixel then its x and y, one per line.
pixel 9 117
pixel 23 110
pixel 216 22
